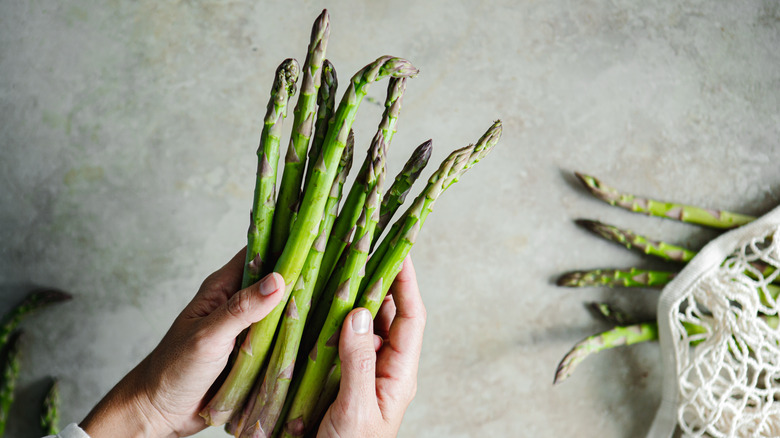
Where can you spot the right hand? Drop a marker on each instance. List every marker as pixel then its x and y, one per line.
pixel 378 385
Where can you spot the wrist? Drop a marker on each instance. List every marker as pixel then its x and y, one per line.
pixel 126 412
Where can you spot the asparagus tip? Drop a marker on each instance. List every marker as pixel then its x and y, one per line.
pixel 570 279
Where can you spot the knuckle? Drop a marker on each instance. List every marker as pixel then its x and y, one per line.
pixel 239 304
pixel 362 361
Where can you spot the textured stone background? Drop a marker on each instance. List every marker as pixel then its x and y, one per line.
pixel 128 135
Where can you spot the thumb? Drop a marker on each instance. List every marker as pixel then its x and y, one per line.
pixel 246 307
pixel 358 359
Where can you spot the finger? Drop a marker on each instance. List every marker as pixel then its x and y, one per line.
pixel 385 317
pixel 401 355
pixel 358 360
pixel 377 343
pixel 229 276
pixel 246 307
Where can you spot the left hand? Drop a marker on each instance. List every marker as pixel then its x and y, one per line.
pixel 162 396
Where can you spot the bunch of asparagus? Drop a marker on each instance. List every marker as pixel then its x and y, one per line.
pixel 284 372
pixel 629 330
pixel 10 347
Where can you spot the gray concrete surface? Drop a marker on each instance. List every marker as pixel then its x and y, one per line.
pixel 128 132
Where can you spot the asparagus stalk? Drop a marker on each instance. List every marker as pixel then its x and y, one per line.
pixel 402 184
pixel 303 125
pixel 395 247
pixel 50 415
pixel 255 347
pixel 269 401
pixel 10 374
pixel 631 277
pixel 31 303
pixel 610 314
pixel 615 337
pixel 326 103
pixel 263 206
pixel 631 240
pixel 321 358
pixel 357 194
pixel 386 260
pixel 685 213
pixel 333 260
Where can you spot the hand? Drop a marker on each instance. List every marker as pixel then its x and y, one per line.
pixel 162 396
pixel 378 376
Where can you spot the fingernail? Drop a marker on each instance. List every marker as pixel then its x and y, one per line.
pixel 268 285
pixel 360 322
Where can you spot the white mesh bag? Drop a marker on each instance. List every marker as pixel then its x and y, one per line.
pixel 719 340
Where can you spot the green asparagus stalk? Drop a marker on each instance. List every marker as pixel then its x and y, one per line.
pixel 631 240
pixel 255 347
pixel 263 206
pixel 610 314
pixel 50 414
pixel 394 249
pixel 10 374
pixel 303 125
pixel 615 337
pixel 402 184
pixel 326 103
pixel 357 195
pixel 274 387
pixel 333 260
pixel 685 213
pixel 386 260
pixel 325 351
pixel 31 303
pixel 631 277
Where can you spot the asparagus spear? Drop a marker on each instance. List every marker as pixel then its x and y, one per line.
pixel 10 374
pixel 50 415
pixel 263 206
pixel 357 194
pixel 609 314
pixel 631 240
pixel 392 251
pixel 387 258
pixel 669 210
pixel 31 303
pixel 324 352
pixel 631 277
pixel 615 337
pixel 303 124
pixel 274 387
pixel 332 262
pixel 326 102
pixel 402 184
pixel 255 347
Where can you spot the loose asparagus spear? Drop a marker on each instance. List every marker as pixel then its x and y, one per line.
pixel 263 206
pixel 31 303
pixel 609 314
pixel 631 240
pixel 615 337
pixel 50 415
pixel 10 374
pixel 326 103
pixel 357 194
pixel 632 277
pixel 402 184
pixel 303 125
pixel 627 335
pixel 326 349
pixel 669 210
pixel 270 398
pixel 255 347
